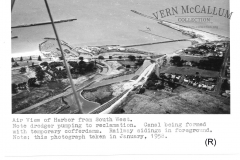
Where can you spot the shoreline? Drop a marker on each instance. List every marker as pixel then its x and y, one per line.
pixel 26 54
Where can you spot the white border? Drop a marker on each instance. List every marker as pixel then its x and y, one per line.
pixel 226 126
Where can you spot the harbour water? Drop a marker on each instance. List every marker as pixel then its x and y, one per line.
pixel 104 22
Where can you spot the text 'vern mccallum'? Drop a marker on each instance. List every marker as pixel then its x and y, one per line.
pixel 197 9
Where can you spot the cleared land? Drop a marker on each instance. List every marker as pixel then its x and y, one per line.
pixel 183 101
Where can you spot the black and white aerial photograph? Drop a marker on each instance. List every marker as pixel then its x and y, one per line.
pixel 120 56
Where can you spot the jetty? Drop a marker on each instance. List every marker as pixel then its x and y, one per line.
pixel 43 23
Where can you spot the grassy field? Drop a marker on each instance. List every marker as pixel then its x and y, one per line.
pixel 189 71
pixel 191 58
pixel 19 78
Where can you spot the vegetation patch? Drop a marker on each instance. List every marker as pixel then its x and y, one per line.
pixel 100 95
pixel 26 99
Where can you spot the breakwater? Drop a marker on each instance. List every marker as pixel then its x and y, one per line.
pixel 43 23
pixel 14 37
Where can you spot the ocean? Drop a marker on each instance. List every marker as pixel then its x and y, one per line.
pixel 107 22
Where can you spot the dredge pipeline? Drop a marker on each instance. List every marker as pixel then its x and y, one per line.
pixel 43 23
pixel 145 44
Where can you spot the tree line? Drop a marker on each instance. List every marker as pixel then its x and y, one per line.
pixel 209 63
